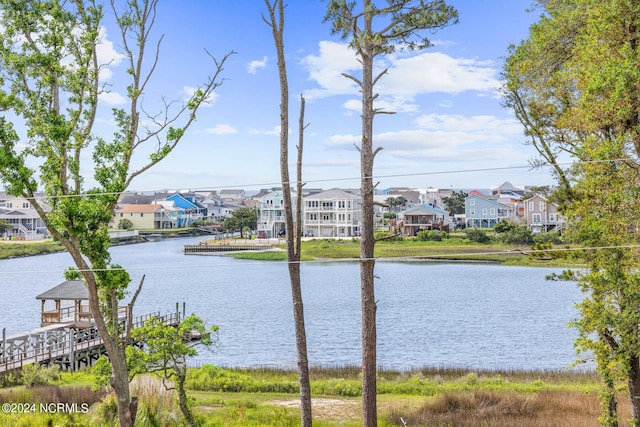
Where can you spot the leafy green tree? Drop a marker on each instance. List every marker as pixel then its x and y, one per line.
pixel 125 224
pixel 241 219
pixel 455 202
pixel 573 84
pixel 403 23
pixel 167 348
pixel 50 85
pixel 4 226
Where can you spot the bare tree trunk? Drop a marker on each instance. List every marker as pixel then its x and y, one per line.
pixel 367 241
pixel 293 238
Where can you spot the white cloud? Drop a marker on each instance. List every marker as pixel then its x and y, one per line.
pixel 407 75
pixel 445 137
pixel 112 98
pixel 274 131
pixel 107 56
pixel 327 67
pixel 254 66
pixel 221 129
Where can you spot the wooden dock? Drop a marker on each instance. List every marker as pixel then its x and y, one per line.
pixel 70 345
pixel 204 249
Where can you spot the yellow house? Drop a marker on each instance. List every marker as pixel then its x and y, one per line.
pixel 141 216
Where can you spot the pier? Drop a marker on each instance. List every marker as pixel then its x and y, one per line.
pixel 204 249
pixel 72 346
pixel 67 335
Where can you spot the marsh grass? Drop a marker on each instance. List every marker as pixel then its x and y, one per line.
pixel 453 249
pixel 506 409
pixel 21 249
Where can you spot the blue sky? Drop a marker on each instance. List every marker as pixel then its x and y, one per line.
pixel 448 113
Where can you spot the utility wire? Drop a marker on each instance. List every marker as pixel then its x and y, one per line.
pixel 401 175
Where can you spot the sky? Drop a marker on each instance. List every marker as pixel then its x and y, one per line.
pixel 449 129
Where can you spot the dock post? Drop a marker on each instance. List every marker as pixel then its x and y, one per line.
pixel 184 309
pixel 72 356
pixel 4 341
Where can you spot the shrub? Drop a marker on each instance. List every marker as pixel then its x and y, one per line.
pixel 125 224
pixel 429 235
pixel 37 374
pixel 477 235
pixel 551 237
pixel 518 234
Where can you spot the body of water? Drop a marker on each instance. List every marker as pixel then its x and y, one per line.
pixel 479 316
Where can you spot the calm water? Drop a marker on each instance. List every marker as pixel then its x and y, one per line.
pixel 429 314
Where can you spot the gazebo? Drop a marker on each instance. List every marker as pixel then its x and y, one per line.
pixel 70 290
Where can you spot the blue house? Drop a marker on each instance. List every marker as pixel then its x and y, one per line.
pixel 484 212
pixel 189 210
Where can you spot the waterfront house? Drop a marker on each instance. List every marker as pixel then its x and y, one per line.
pixel 271 218
pixel 542 216
pixel 332 213
pixel 423 217
pixel 483 211
pixel 24 220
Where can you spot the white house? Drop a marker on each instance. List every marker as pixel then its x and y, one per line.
pixel 332 213
pixel 271 219
pixel 23 218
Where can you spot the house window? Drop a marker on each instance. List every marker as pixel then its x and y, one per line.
pixel 141 214
pixel 341 204
pixel 121 214
pixel 537 218
pixel 542 206
pixel 25 206
pixel 327 205
pixel 492 211
pixel 341 217
pixel 312 203
pixel 313 217
pixel 484 211
pixel 472 202
pixel 552 217
pixel 9 204
pixel 472 212
pixel 531 205
pixel 349 204
pixel 325 217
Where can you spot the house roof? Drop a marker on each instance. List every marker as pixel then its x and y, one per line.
pixel 69 290
pixel 428 209
pixel 133 208
pixel 334 194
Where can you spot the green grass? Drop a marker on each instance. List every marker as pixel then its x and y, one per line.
pixel 20 249
pixel 453 249
pixel 268 397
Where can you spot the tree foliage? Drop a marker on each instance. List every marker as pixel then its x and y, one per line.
pixel 455 202
pixel 574 85
pixel 241 219
pixel 51 83
pixel 167 348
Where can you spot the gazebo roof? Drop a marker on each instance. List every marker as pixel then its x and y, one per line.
pixel 68 290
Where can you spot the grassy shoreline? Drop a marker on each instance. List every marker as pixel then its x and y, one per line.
pixel 269 397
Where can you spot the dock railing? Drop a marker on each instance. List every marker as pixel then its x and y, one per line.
pixel 45 345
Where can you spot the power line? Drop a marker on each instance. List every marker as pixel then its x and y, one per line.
pixel 399 175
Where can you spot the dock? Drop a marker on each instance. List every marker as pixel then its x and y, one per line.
pixel 205 249
pixel 70 345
